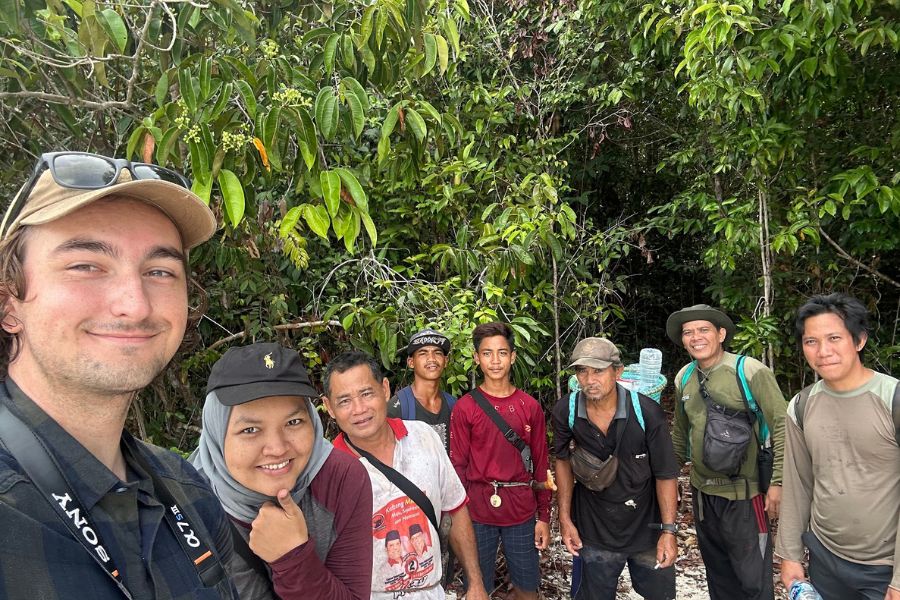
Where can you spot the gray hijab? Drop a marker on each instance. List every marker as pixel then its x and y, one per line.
pixel 240 502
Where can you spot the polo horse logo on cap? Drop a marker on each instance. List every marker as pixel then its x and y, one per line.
pixel 270 364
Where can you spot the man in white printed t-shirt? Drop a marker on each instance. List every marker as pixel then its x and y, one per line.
pixel 356 396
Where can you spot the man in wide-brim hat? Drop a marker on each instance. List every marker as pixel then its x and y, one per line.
pixel 731 510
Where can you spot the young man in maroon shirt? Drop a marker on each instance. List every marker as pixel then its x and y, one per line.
pixel 502 501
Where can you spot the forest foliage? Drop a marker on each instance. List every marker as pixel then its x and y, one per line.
pixel 576 167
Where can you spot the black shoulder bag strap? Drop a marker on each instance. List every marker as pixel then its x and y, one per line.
pixel 511 436
pixel 33 456
pixel 242 549
pixel 406 486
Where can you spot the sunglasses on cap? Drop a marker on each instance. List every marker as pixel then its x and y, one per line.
pixel 87 171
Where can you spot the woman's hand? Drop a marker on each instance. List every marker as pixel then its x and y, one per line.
pixel 278 529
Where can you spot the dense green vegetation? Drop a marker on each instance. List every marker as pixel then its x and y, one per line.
pixel 573 167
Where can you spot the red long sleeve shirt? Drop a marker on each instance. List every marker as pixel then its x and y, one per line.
pixel 480 454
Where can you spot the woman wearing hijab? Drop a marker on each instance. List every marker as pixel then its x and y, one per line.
pixel 301 513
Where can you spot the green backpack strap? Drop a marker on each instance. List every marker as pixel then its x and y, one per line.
pixel 638 411
pixel 572 398
pixel 747 395
pixel 687 373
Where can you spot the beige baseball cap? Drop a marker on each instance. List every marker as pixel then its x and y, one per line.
pixel 595 352
pixel 49 201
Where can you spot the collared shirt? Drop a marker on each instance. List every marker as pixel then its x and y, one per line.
pixel 617 518
pixel 39 557
pixel 418 456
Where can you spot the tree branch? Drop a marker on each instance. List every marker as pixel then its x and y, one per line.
pixel 843 253
pixel 283 327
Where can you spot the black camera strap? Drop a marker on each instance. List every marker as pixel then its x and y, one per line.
pixel 37 461
pixel 511 436
pixel 399 479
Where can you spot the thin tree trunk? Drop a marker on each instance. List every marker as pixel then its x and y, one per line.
pixel 556 346
pixel 765 252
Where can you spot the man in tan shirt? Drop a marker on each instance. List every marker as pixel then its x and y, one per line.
pixel 842 464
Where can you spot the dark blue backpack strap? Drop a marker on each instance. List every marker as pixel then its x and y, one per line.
pixel 407 404
pixel 449 399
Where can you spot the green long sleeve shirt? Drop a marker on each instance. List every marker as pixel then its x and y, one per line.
pixel 690 423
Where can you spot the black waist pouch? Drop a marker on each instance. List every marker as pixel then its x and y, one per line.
pixel 726 439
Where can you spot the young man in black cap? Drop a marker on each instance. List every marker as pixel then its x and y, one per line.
pixel 730 508
pixel 618 479
pixel 423 400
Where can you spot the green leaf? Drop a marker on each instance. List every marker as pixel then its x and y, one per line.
pixel 202 186
pixel 357 114
pixel 351 183
pixel 136 136
pixel 370 227
pixel 430 53
pixel 384 148
pixel 365 26
pixel 186 88
pixel 347 321
pixel 248 96
pixel 165 148
pixel 452 35
pixel 232 196
pixel 390 120
pixel 289 222
pixel 330 49
pixel 316 217
pixel 326 112
pixel 417 124
pixel 352 86
pixel 331 190
pixel 443 53
pixel 115 27
pixel 270 129
pixel 309 144
pixel 352 231
pixel 162 89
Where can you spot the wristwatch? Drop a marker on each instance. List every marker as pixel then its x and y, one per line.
pixel 668 527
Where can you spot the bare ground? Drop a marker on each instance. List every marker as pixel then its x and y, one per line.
pixel 556 565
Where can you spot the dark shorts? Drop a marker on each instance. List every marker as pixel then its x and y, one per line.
pixel 600 570
pixel 836 578
pixel 518 547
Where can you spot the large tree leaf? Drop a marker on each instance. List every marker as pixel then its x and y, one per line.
pixel 115 27
pixel 331 191
pixel 416 124
pixel 327 112
pixel 354 188
pixel 232 196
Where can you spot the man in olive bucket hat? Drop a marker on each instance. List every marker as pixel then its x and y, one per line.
pixel 614 457
pixel 731 509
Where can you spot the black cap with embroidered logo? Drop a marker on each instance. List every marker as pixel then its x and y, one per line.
pixel 256 371
pixel 427 337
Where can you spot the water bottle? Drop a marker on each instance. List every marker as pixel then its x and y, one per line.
pixel 650 366
pixel 803 590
